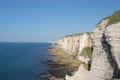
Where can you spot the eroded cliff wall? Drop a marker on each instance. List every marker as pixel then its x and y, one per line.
pixel 106 51
pixel 75 43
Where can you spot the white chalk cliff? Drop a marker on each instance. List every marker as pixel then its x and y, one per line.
pixel 106 50
pixel 75 43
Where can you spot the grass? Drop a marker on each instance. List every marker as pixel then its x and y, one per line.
pixel 77 34
pixel 113 19
pixel 86 52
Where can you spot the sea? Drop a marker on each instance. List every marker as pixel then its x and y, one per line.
pixel 23 61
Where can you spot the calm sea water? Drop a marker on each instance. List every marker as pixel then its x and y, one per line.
pixel 22 61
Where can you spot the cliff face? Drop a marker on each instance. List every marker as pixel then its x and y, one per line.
pixel 106 52
pixel 74 44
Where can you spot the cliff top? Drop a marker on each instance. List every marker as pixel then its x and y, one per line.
pixel 113 19
pixel 77 34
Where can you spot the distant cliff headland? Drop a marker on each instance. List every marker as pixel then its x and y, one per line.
pixel 99 51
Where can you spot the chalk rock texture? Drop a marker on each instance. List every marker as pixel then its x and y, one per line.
pixel 75 43
pixel 106 52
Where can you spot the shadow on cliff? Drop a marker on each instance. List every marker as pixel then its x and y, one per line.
pixel 108 49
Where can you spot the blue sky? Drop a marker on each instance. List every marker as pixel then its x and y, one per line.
pixel 46 20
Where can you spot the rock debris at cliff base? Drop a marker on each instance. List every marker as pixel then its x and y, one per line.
pixel 61 65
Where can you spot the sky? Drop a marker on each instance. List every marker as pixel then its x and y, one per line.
pixel 48 20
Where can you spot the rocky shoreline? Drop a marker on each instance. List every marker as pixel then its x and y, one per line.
pixel 61 65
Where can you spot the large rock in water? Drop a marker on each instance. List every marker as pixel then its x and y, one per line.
pixel 106 52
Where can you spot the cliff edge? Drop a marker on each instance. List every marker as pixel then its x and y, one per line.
pixel 77 44
pixel 106 50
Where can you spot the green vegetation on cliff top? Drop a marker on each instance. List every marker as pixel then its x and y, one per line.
pixel 113 19
pixel 86 52
pixel 77 34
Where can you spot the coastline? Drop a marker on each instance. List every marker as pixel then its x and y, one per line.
pixel 61 65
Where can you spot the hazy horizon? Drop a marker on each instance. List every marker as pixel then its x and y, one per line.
pixel 47 20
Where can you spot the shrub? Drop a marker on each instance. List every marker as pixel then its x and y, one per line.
pixel 86 52
pixel 113 19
